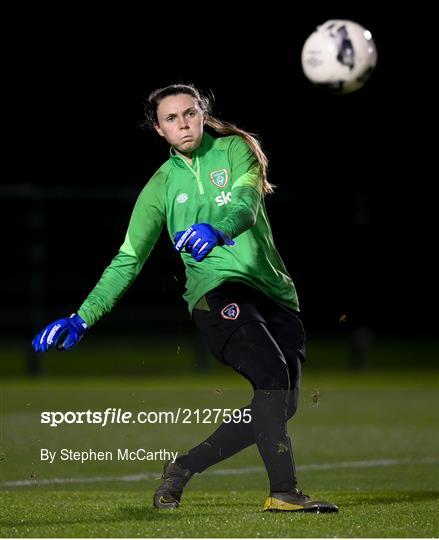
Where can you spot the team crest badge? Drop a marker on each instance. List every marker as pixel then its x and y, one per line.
pixel 220 178
pixel 230 312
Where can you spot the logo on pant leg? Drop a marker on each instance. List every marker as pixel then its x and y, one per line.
pixel 230 312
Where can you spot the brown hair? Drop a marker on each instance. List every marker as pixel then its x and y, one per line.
pixel 219 126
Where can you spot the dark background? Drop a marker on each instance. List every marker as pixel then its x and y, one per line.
pixel 350 212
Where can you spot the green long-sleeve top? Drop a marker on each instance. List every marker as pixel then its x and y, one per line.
pixel 222 187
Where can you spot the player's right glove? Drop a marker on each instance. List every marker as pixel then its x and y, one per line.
pixel 62 334
pixel 200 239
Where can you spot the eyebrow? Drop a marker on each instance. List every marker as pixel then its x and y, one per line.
pixel 192 108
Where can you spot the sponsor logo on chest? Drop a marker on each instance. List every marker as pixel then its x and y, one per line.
pixel 224 198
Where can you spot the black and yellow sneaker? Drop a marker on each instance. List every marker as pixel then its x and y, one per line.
pixel 296 501
pixel 168 494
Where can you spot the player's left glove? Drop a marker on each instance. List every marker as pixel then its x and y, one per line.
pixel 62 334
pixel 200 239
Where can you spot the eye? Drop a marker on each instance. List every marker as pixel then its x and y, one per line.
pixel 191 114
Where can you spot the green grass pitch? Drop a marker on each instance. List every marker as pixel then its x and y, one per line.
pixel 369 443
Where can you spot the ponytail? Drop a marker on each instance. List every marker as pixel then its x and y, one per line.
pixel 223 128
pixel 226 128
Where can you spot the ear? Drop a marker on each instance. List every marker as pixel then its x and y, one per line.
pixel 159 130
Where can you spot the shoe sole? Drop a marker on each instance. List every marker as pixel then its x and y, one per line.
pixel 314 510
pixel 272 504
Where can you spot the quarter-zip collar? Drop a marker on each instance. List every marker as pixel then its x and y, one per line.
pixel 197 155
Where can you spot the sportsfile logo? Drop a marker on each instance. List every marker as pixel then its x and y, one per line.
pixel 224 198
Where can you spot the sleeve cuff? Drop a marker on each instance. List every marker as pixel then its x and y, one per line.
pixel 225 238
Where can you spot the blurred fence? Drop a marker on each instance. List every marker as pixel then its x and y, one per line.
pixel 56 244
pixel 58 240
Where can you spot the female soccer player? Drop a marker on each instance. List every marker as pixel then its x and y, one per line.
pixel 210 195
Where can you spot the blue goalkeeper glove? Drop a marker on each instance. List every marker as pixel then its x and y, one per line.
pixel 62 334
pixel 200 239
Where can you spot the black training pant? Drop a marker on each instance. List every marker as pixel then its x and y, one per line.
pixel 265 342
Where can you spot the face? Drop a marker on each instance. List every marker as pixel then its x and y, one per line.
pixel 180 122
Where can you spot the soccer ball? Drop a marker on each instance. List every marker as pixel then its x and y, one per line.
pixel 339 56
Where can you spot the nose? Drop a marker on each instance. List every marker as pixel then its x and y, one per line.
pixel 182 122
